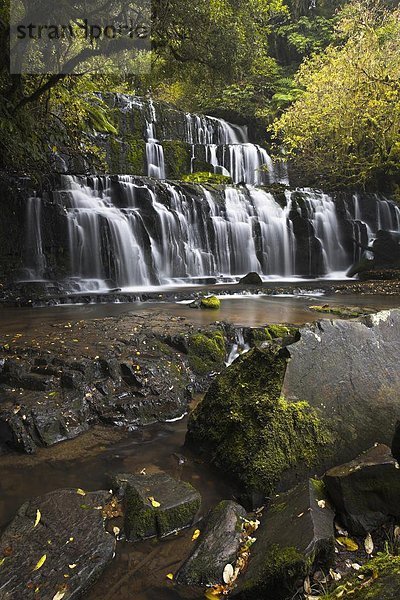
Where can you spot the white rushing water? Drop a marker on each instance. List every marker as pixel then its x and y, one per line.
pixel 128 232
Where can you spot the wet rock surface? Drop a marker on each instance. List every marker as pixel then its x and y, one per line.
pixel 156 505
pixel 295 537
pixel 130 371
pixel 65 552
pixel 218 546
pixel 348 371
pixel 366 491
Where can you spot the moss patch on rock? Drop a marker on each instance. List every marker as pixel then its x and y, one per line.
pixel 203 177
pixel 381 581
pixel 207 352
pixel 249 430
pixel 347 312
pixel 156 505
pixel 210 303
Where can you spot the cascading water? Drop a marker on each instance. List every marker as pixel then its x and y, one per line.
pixel 35 260
pixel 130 232
pixel 154 150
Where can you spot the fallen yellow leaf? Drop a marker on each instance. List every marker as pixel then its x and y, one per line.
pixel 154 502
pixel 196 535
pixel 170 576
pixel 59 595
pixel 348 543
pixel 41 562
pixel 81 492
pixel 38 517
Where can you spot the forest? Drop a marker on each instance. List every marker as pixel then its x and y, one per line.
pixel 322 79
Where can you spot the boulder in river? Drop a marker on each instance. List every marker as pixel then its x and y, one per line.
pixel 55 544
pixel 251 279
pixel 295 537
pixel 156 505
pixel 282 411
pixel 218 546
pixel 366 491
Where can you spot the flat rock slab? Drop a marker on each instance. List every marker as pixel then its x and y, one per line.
pixel 61 379
pixel 156 505
pixel 296 535
pixel 71 537
pixel 218 545
pixel 366 491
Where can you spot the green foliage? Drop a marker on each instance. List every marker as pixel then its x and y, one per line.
pixel 345 126
pixel 210 178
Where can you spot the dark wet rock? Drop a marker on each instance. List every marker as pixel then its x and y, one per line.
pixel 218 545
pixel 279 413
pixel 178 503
pixel 396 442
pixel 70 532
pixel 251 279
pixel 295 537
pixel 128 371
pixel 366 491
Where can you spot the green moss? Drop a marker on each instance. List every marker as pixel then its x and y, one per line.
pixel 249 430
pixel 275 577
pixel 204 177
pixel 381 581
pixel 211 303
pixel 349 312
pixel 176 518
pixel 139 519
pixel 207 352
pixel 136 156
pixel 177 157
pixel 272 332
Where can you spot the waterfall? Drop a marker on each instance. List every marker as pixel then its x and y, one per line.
pixel 239 347
pixel 132 232
pixel 35 260
pixel 154 150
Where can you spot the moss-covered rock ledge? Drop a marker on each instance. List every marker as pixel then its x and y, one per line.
pixel 249 428
pixel 303 404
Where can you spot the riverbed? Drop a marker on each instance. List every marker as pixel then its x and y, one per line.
pixel 139 571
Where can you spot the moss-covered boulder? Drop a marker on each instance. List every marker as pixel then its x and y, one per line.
pixel 304 403
pixel 156 505
pixel 248 429
pixel 218 545
pixel 296 536
pixel 379 579
pixel 210 303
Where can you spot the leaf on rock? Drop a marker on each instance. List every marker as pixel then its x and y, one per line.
pixel 196 534
pixel 348 543
pixel 228 573
pixel 154 502
pixel 40 563
pixel 369 544
pixel 81 492
pixel 38 517
pixel 170 576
